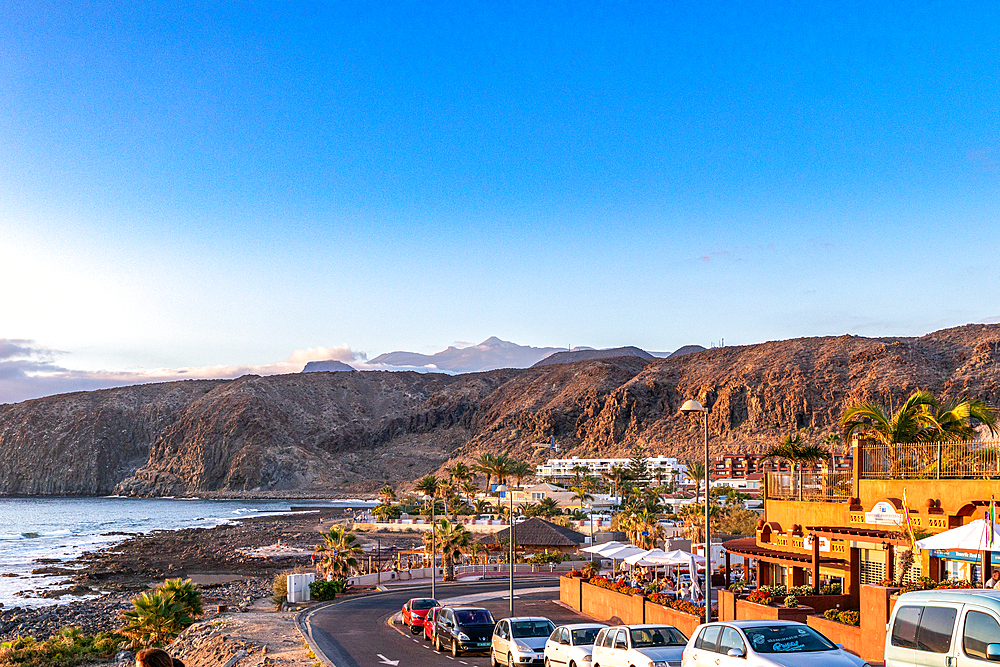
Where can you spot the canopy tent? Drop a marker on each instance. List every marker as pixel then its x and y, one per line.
pixel 601 548
pixel 974 536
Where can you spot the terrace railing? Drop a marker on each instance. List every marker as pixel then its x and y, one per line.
pixel 802 485
pixel 931 460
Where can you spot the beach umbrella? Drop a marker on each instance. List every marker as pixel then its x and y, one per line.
pixel 676 557
pixel 974 536
pixel 623 552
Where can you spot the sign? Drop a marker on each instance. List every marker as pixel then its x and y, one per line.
pixel 807 543
pixel 964 556
pixel 884 514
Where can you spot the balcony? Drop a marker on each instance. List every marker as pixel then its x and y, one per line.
pixel 823 486
pixel 930 460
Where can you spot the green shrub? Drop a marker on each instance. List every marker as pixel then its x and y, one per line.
pixel 280 588
pixel 327 590
pixel 832 614
pixel 155 619
pixel 791 602
pixel 67 648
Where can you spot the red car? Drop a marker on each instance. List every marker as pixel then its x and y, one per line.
pixel 414 612
pixel 430 624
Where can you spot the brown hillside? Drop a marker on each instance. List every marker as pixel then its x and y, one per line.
pixel 350 432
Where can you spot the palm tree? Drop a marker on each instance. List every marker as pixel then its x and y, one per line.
pixel 482 506
pixel 548 507
pixel 796 451
pixel 452 539
pixel 339 553
pixel 460 472
pixel 385 511
pixel 387 495
pixel 470 489
pixel 921 418
pixel 696 471
pixel 501 468
pixel 156 618
pixel 520 470
pixel 578 470
pixel 484 464
pixel 580 495
pixel 186 593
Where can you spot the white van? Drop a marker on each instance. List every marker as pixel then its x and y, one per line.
pixel 944 628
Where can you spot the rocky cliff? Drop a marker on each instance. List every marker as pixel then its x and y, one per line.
pixel 326 433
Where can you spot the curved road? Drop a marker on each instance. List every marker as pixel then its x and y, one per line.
pixel 359 632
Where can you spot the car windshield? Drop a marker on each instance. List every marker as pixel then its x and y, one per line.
pixel 585 636
pixel 474 617
pixel 522 629
pixel 423 603
pixel 786 639
pixel 648 637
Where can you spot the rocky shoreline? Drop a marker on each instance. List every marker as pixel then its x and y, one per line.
pixel 215 558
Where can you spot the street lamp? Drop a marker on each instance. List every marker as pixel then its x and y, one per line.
pixel 690 406
pixel 503 489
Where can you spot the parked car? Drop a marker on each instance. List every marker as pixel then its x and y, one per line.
pixel 463 629
pixel 639 646
pixel 430 621
pixel 762 643
pixel 958 627
pixel 414 612
pixel 520 640
pixel 571 645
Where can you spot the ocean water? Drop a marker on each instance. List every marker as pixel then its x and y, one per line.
pixel 63 528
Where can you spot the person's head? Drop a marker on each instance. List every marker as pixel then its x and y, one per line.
pixel 153 657
pixel 996 575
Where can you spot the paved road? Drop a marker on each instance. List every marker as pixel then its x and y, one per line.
pixel 358 631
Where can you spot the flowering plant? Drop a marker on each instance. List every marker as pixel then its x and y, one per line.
pixel 759 597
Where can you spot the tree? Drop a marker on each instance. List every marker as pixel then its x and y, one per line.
pixel 696 471
pixel 484 465
pixel 185 592
pixel 501 468
pixel 387 495
pixel 451 540
pixel 796 451
pixel 579 470
pixel 548 507
pixel 482 506
pixel 428 485
pixel 460 472
pixel 520 470
pixel 155 619
pixel 921 418
pixel 580 495
pixel 385 512
pixel 339 553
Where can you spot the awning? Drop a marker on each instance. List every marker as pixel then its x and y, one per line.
pixel 873 535
pixel 974 536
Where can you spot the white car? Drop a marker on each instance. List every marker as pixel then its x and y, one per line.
pixel 571 645
pixel 639 646
pixel 520 640
pixel 762 643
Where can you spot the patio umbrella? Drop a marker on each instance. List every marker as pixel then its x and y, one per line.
pixel 600 548
pixel 676 557
pixel 623 552
pixel 974 536
pixel 640 558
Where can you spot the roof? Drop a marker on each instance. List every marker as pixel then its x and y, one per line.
pixel 950 595
pixel 756 622
pixel 544 486
pixel 583 626
pixel 537 532
pixel 873 534
pixel 747 546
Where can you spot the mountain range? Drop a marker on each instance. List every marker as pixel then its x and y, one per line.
pixel 349 433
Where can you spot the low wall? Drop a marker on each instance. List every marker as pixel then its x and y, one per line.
pixel 875 609
pixel 839 633
pixel 727 605
pixel 750 611
pixel 607 605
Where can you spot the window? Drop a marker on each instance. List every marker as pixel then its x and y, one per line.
pixel 787 639
pixel 474 617
pixel 620 641
pixel 584 636
pixel 904 629
pixel 600 638
pixel 924 628
pixel 650 637
pixel 936 625
pixel 522 629
pixel 709 638
pixel 980 629
pixel 731 640
pixel 555 635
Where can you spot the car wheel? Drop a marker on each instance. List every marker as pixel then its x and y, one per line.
pixel 437 644
pixel 414 630
pixel 454 649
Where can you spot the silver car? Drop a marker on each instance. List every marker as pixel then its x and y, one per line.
pixel 520 640
pixel 571 645
pixel 762 643
pixel 639 646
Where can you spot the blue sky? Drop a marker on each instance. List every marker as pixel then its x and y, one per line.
pixel 223 184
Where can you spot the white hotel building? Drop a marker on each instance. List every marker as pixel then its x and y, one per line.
pixel 561 470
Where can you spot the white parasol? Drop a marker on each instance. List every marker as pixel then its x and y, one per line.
pixel 974 536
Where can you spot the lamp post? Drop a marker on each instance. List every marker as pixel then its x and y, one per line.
pixel 690 406
pixel 433 546
pixel 503 489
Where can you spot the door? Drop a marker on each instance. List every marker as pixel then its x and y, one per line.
pixel 730 639
pixel 500 637
pixel 980 627
pixel 619 649
pixel 704 654
pixel 923 635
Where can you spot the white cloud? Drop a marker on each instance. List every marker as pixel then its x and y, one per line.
pixel 29 371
